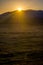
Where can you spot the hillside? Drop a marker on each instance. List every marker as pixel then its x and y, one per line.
pixel 28 15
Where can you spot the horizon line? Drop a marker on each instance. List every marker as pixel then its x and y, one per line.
pixel 22 10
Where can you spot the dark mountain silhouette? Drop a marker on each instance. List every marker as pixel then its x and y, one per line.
pixel 30 16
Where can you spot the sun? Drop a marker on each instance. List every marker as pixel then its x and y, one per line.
pixel 19 9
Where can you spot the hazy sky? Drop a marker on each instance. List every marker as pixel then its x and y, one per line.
pixel 10 5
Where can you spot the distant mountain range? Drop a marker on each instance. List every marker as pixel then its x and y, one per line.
pixel 26 15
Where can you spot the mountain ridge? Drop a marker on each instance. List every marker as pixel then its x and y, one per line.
pixel 32 15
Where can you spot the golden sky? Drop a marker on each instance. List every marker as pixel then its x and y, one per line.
pixel 11 5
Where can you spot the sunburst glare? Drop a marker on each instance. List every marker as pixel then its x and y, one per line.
pixel 19 9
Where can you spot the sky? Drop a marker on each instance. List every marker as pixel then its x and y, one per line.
pixel 11 5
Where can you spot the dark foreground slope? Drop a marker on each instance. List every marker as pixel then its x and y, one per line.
pixel 29 16
pixel 21 38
